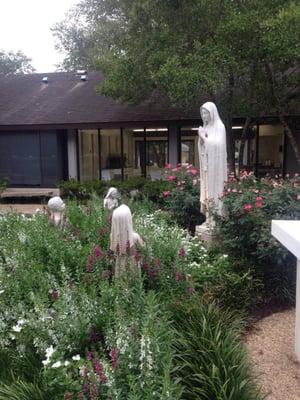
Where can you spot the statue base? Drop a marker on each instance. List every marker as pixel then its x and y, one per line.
pixel 206 234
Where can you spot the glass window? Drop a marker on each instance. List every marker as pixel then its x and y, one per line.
pixel 189 145
pixel 270 149
pixel 156 151
pixel 88 155
pixel 130 138
pixel 146 152
pixel 111 155
pixel 188 152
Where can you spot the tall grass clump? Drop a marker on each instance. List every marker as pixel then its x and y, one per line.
pixel 211 360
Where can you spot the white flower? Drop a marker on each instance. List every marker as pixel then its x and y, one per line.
pixel 1 291
pixel 22 237
pixel 49 351
pixel 76 358
pixel 57 364
pixel 66 363
pixel 17 328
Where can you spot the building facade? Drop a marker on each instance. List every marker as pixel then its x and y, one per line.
pixel 56 127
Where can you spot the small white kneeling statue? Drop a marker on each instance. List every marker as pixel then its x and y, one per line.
pixel 123 241
pixel 213 161
pixel 56 208
pixel 111 199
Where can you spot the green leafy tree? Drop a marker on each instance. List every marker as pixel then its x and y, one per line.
pixel 14 63
pixel 242 54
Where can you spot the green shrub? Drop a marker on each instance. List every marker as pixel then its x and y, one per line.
pixel 211 362
pixel 182 199
pixel 151 190
pixel 82 190
pixel 245 231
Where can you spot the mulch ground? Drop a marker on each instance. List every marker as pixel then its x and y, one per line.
pixel 270 345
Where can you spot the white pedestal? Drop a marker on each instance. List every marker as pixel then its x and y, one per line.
pixel 288 233
pixel 204 233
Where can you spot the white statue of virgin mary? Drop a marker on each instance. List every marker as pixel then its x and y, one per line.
pixel 213 159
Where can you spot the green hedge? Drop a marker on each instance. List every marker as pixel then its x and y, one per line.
pixel 84 190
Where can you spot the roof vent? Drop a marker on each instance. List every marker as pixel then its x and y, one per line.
pixel 45 79
pixel 81 72
pixel 83 78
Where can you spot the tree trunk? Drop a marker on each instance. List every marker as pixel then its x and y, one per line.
pixel 242 143
pixel 291 137
pixel 228 125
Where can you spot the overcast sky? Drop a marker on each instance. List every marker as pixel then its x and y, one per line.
pixel 25 25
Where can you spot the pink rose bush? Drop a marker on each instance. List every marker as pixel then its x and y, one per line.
pixel 182 199
pixel 251 204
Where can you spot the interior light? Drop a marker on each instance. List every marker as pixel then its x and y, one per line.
pixel 151 130
pixel 237 127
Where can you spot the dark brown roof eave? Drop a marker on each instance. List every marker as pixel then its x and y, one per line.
pixel 99 125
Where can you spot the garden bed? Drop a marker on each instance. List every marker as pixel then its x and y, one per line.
pixel 70 330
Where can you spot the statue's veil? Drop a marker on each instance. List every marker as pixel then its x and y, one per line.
pixel 121 236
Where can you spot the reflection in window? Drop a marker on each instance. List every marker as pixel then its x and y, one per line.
pixel 270 149
pixel 156 153
pixel 189 148
pixel 88 155
pixel 188 152
pixel 111 156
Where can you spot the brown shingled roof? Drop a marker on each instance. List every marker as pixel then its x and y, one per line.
pixel 66 100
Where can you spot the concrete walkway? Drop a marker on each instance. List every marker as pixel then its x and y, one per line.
pixel 30 192
pixel 27 209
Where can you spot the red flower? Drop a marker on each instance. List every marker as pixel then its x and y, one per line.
pixel 114 355
pixel 168 166
pixel 137 257
pixel 259 204
pixel 97 251
pixel 89 355
pixel 171 178
pixel 193 171
pixel 158 263
pixel 259 199
pixel 191 291
pixel 90 264
pixel 181 252
pixel 54 294
pixel 179 276
pixel 166 193
pixel 102 231
pixel 99 370
pixel 146 266
pixel 248 207
pixel 128 247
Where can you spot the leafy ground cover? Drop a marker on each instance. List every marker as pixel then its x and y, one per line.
pixel 69 330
